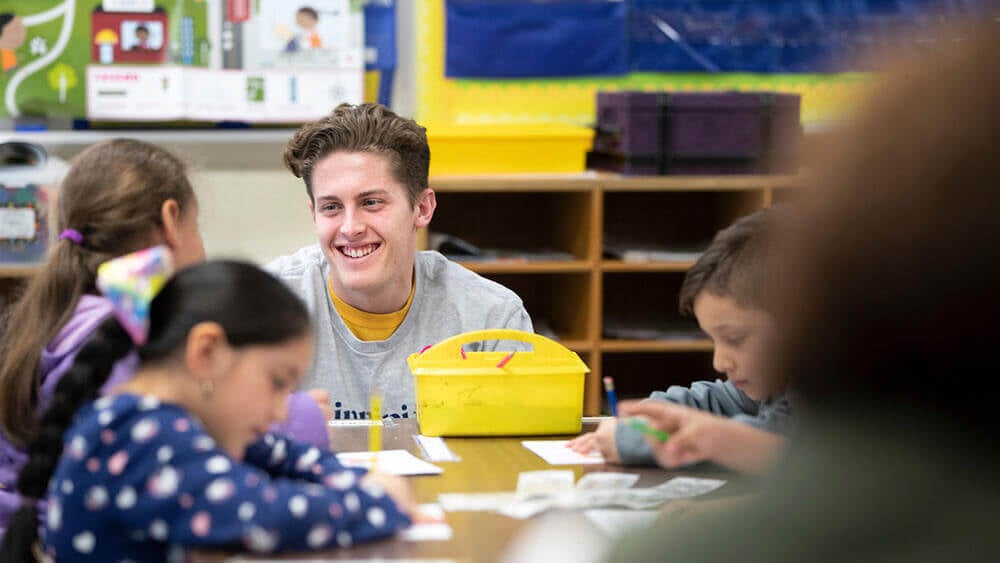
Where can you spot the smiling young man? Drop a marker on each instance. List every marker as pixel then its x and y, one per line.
pixel 724 291
pixel 374 298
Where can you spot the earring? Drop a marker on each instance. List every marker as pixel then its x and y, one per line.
pixel 207 387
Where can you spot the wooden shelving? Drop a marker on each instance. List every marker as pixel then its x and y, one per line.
pixel 18 271
pixel 586 298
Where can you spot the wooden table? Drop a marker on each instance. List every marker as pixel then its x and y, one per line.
pixel 488 464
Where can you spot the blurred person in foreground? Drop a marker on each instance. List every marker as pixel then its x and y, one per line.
pixel 892 317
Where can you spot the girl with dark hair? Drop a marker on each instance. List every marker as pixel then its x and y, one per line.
pixel 179 455
pixel 118 196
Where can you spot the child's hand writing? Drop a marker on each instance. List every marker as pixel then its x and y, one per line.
pixel 602 440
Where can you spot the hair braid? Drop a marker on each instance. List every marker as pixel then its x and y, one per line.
pixel 79 385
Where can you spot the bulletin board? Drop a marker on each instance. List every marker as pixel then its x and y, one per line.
pixel 572 100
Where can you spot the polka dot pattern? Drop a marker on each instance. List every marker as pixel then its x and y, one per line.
pixel 306 460
pixel 126 498
pixel 84 542
pixel 138 475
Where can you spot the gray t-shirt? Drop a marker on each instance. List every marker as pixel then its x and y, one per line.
pixel 448 300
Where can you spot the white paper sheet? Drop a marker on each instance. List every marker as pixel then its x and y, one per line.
pixel 556 453
pixel 393 462
pixel 355 422
pixel 435 448
pixel 437 529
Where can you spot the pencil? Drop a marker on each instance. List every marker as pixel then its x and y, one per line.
pixel 609 388
pixel 644 427
pixel 375 430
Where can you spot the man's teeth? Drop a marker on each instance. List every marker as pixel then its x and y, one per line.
pixel 359 252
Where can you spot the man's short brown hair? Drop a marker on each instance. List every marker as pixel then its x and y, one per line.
pixel 363 128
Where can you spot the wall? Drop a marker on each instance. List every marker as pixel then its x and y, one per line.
pixel 251 206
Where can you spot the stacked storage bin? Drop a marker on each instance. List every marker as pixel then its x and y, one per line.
pixel 696 133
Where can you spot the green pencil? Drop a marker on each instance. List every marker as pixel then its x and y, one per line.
pixel 644 427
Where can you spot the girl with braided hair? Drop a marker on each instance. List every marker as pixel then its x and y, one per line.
pixel 179 456
pixel 119 196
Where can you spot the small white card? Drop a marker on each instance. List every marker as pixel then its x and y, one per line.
pixel 687 487
pixel 544 483
pixel 353 422
pixel 435 449
pixel 556 453
pixel 475 502
pixel 393 462
pixel 17 222
pixel 434 528
pixel 607 480
pixel 127 5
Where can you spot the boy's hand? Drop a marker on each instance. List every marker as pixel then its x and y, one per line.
pixel 692 432
pixel 322 398
pixel 701 436
pixel 602 440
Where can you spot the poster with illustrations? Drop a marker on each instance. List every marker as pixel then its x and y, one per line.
pixel 311 34
pixel 152 60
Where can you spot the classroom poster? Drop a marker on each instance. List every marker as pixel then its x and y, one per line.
pixel 152 60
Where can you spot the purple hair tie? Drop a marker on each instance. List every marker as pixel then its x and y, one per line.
pixel 72 235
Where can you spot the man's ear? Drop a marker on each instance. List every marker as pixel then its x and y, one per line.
pixel 170 218
pixel 207 353
pixel 426 205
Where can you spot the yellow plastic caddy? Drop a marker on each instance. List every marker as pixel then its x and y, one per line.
pixel 530 393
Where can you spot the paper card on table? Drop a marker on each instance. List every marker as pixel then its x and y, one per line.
pixel 556 453
pixel 393 462
pixel 544 483
pixel 686 487
pixel 475 502
pixel 524 509
pixel 617 523
pixel 435 449
pixel 356 422
pixel 606 480
pixel 434 528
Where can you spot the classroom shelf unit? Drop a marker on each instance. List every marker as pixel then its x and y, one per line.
pixel 622 245
pixel 619 315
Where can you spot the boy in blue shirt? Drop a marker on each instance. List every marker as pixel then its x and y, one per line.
pixel 724 292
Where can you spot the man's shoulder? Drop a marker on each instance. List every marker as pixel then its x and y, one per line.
pixel 297 264
pixel 460 282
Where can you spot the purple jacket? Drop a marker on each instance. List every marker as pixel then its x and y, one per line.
pixel 305 420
